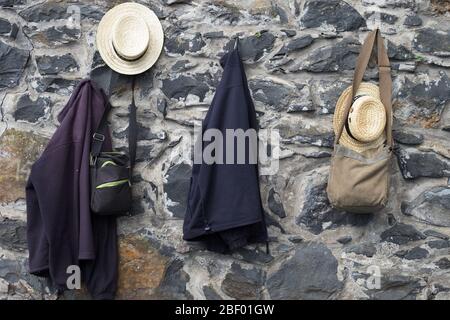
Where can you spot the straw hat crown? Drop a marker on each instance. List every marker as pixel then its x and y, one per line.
pixel 365 125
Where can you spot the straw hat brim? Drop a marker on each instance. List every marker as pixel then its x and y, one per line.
pixel 105 43
pixel 346 140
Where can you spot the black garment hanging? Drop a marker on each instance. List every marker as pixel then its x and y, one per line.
pixel 224 204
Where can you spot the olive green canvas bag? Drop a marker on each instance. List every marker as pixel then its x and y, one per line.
pixel 359 179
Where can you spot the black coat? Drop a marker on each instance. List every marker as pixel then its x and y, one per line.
pixel 224 204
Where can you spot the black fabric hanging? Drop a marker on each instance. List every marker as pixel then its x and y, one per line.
pixel 224 208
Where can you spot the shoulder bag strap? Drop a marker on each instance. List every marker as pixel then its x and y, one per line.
pixel 132 128
pixel 99 135
pixel 385 81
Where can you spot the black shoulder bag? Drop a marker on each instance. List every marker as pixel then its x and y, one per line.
pixel 111 172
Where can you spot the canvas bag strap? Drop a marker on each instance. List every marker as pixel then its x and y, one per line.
pixel 385 81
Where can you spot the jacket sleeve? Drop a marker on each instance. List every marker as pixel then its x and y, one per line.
pixel 37 240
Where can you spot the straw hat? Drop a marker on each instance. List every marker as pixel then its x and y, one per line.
pixel 130 38
pixel 366 119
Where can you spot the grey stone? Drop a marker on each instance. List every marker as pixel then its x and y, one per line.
pixel 270 93
pixel 400 53
pixel 45 12
pixel 336 13
pixel 56 85
pixel 12 65
pixel 396 287
pixel 223 13
pixel 425 99
pixel 53 11
pixel 10 270
pixel 5 27
pixel 13 234
pixel 439 244
pixel 31 110
pixel 431 206
pixel 310 274
pixel 296 44
pixel 183 65
pixel 52 36
pixel 318 155
pixel 318 140
pixel 254 255
pixel 277 10
pixel 366 249
pixel 401 233
pixel 161 105
pixel 443 263
pixel 254 47
pixel 242 283
pixel 52 65
pixel 408 138
pixel 11 3
pixel 432 41
pixel 275 204
pixel 407 4
pixel 171 2
pixel 97 60
pixel 383 16
pixel 173 285
pixel 184 85
pixel 413 20
pixel 289 32
pixel 270 221
pixel 210 293
pixel 143 133
pixel 14 31
pixel 317 212
pixel 344 239
pixel 436 234
pixel 332 58
pixel 296 239
pixel 177 43
pixel 325 94
pixel 414 164
pixel 214 35
pixel 281 97
pixel 177 188
pixel 416 253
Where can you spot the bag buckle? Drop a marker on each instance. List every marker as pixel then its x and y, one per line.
pixel 98 136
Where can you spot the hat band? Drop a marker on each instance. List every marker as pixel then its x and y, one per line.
pixel 128 59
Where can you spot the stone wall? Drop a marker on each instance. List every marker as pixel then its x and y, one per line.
pixel 299 56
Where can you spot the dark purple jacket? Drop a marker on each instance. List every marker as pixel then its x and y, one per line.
pixel 61 229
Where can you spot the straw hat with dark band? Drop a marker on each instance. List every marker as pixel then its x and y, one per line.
pixel 130 38
pixel 366 122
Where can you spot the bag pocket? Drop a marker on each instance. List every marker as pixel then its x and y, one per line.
pixel 358 184
pixel 112 197
pixel 110 185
